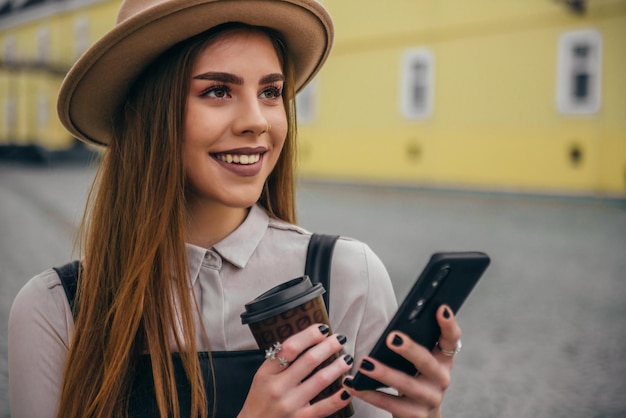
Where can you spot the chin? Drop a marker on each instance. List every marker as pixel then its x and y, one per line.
pixel 242 202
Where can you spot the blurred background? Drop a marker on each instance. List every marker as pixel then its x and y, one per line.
pixel 493 125
pixel 524 96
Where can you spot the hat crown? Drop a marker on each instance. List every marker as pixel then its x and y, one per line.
pixel 131 8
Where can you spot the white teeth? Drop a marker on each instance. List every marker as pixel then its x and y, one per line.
pixel 243 159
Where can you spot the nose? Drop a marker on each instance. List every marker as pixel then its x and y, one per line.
pixel 250 118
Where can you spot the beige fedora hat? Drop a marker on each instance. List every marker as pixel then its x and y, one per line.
pixel 97 84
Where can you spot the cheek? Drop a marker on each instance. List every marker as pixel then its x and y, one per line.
pixel 280 128
pixel 189 149
pixel 280 140
pixel 198 133
pixel 195 123
pixel 194 147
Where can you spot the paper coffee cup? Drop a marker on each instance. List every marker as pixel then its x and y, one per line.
pixel 286 310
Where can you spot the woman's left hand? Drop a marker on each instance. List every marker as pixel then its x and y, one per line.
pixel 421 395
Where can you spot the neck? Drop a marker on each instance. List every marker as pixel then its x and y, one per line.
pixel 209 223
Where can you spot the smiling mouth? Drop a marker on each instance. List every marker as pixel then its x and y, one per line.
pixel 242 159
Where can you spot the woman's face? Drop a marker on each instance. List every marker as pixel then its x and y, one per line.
pixel 235 123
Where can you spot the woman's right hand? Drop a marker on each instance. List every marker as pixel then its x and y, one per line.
pixel 279 391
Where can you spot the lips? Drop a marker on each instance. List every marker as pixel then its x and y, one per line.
pixel 244 162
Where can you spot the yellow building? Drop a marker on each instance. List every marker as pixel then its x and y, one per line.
pixel 39 41
pixel 508 95
pixel 513 95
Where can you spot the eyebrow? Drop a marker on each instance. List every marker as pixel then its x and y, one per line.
pixel 233 79
pixel 272 78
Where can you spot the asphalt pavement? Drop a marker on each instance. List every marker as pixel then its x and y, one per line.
pixel 544 332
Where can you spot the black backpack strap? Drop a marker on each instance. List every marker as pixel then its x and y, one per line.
pixel 68 273
pixel 318 263
pixel 319 260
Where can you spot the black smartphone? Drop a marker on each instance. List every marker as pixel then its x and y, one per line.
pixel 448 278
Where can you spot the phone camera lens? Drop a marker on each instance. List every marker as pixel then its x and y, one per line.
pixel 416 311
pixel 441 275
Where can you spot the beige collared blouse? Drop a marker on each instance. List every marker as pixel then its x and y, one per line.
pixel 261 253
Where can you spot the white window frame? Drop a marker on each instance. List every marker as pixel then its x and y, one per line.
pixel 43 109
pixel 81 36
pixel 410 80
pixel 306 102
pixel 10 49
pixel 43 44
pixel 571 66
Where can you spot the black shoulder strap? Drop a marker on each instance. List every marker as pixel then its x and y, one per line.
pixel 68 274
pixel 318 264
pixel 319 260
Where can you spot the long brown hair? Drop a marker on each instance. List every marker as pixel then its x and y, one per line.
pixel 133 235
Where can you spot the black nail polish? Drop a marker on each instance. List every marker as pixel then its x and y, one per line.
pixel 446 313
pixel 324 329
pixel 342 339
pixel 348 359
pixel 345 395
pixel 347 382
pixel 397 341
pixel 367 365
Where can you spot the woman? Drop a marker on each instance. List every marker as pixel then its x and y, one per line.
pixel 192 216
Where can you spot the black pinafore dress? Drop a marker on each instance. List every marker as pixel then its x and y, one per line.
pixel 233 370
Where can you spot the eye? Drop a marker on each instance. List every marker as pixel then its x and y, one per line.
pixel 216 92
pixel 272 92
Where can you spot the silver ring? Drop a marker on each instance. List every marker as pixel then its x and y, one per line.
pixel 451 353
pixel 283 362
pixel 270 353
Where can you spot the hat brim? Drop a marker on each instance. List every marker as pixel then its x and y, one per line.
pixel 98 82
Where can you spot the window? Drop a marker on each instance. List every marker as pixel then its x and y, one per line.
pixel 81 36
pixel 10 49
pixel 43 45
pixel 417 84
pixel 306 103
pixel 43 108
pixel 579 72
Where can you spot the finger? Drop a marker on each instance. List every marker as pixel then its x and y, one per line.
pixel 426 391
pixel 327 380
pixel 319 355
pixel 450 334
pixel 278 357
pixel 398 406
pixel 428 365
pixel 329 405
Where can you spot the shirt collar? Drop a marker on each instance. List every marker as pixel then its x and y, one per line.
pixel 237 247
pixel 195 256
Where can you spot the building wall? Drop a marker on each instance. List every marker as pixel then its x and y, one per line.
pixel 494 122
pixel 46 39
